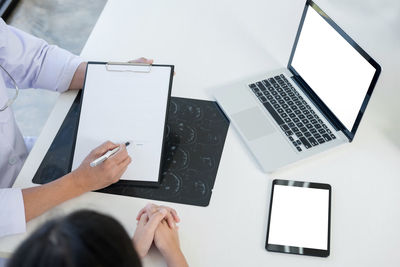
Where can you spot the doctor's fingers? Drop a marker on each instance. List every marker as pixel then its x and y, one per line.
pixel 103 148
pixel 121 170
pixel 119 157
pixel 142 60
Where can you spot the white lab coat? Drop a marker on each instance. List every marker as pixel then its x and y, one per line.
pixel 33 64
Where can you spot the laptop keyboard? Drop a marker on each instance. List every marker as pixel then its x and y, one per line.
pixel 296 118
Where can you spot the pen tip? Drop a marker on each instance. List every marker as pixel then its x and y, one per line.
pixel 127 143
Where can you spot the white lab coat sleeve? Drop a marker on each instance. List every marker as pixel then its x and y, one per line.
pixel 12 212
pixel 33 63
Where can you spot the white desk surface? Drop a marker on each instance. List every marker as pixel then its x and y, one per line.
pixel 215 42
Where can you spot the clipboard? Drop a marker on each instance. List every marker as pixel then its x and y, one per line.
pixel 126 102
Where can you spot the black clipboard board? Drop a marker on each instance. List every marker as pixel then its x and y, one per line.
pixel 141 68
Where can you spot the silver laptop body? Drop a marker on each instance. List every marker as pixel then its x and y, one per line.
pixel 269 134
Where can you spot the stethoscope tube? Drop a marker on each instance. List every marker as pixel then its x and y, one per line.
pixel 10 101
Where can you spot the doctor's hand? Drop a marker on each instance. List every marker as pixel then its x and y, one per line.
pixel 142 60
pixel 108 172
pixel 80 72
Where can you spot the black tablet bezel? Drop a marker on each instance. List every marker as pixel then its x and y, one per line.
pixel 292 249
pixel 350 133
pixel 136 183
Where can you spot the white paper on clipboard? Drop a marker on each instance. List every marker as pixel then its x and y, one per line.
pixel 125 103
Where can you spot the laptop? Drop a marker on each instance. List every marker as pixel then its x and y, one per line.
pixel 312 105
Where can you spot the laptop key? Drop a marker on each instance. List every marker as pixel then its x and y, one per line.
pixel 273 113
pixel 288 120
pixel 298 148
pixel 305 142
pixel 259 94
pixel 263 99
pixel 313 141
pixel 291 138
pixel 307 134
pixel 292 115
pixel 285 127
pixel 261 86
pixel 298 142
pixel 266 82
pixel 332 136
pixel 252 85
pixel 321 140
pixel 289 133
pixel 326 137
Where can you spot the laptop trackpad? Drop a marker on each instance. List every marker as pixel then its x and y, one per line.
pixel 253 123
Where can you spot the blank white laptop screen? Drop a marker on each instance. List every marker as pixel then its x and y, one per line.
pixel 299 217
pixel 335 71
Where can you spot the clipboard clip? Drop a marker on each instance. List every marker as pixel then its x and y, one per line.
pixel 126 67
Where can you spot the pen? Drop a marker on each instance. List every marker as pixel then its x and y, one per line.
pixel 108 154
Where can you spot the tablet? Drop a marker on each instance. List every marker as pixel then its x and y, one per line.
pixel 299 218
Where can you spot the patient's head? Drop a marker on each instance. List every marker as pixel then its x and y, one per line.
pixel 84 238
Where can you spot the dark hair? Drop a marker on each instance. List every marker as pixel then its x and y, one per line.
pixel 84 238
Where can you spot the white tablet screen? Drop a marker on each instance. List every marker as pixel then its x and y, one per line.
pixel 299 217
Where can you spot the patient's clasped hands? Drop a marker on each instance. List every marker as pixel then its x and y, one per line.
pixel 158 224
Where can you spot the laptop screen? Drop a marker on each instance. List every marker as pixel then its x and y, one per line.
pixel 332 66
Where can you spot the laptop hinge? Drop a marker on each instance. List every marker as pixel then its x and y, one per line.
pixel 320 105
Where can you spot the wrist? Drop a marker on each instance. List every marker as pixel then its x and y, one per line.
pixel 174 258
pixel 75 179
pixel 79 77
